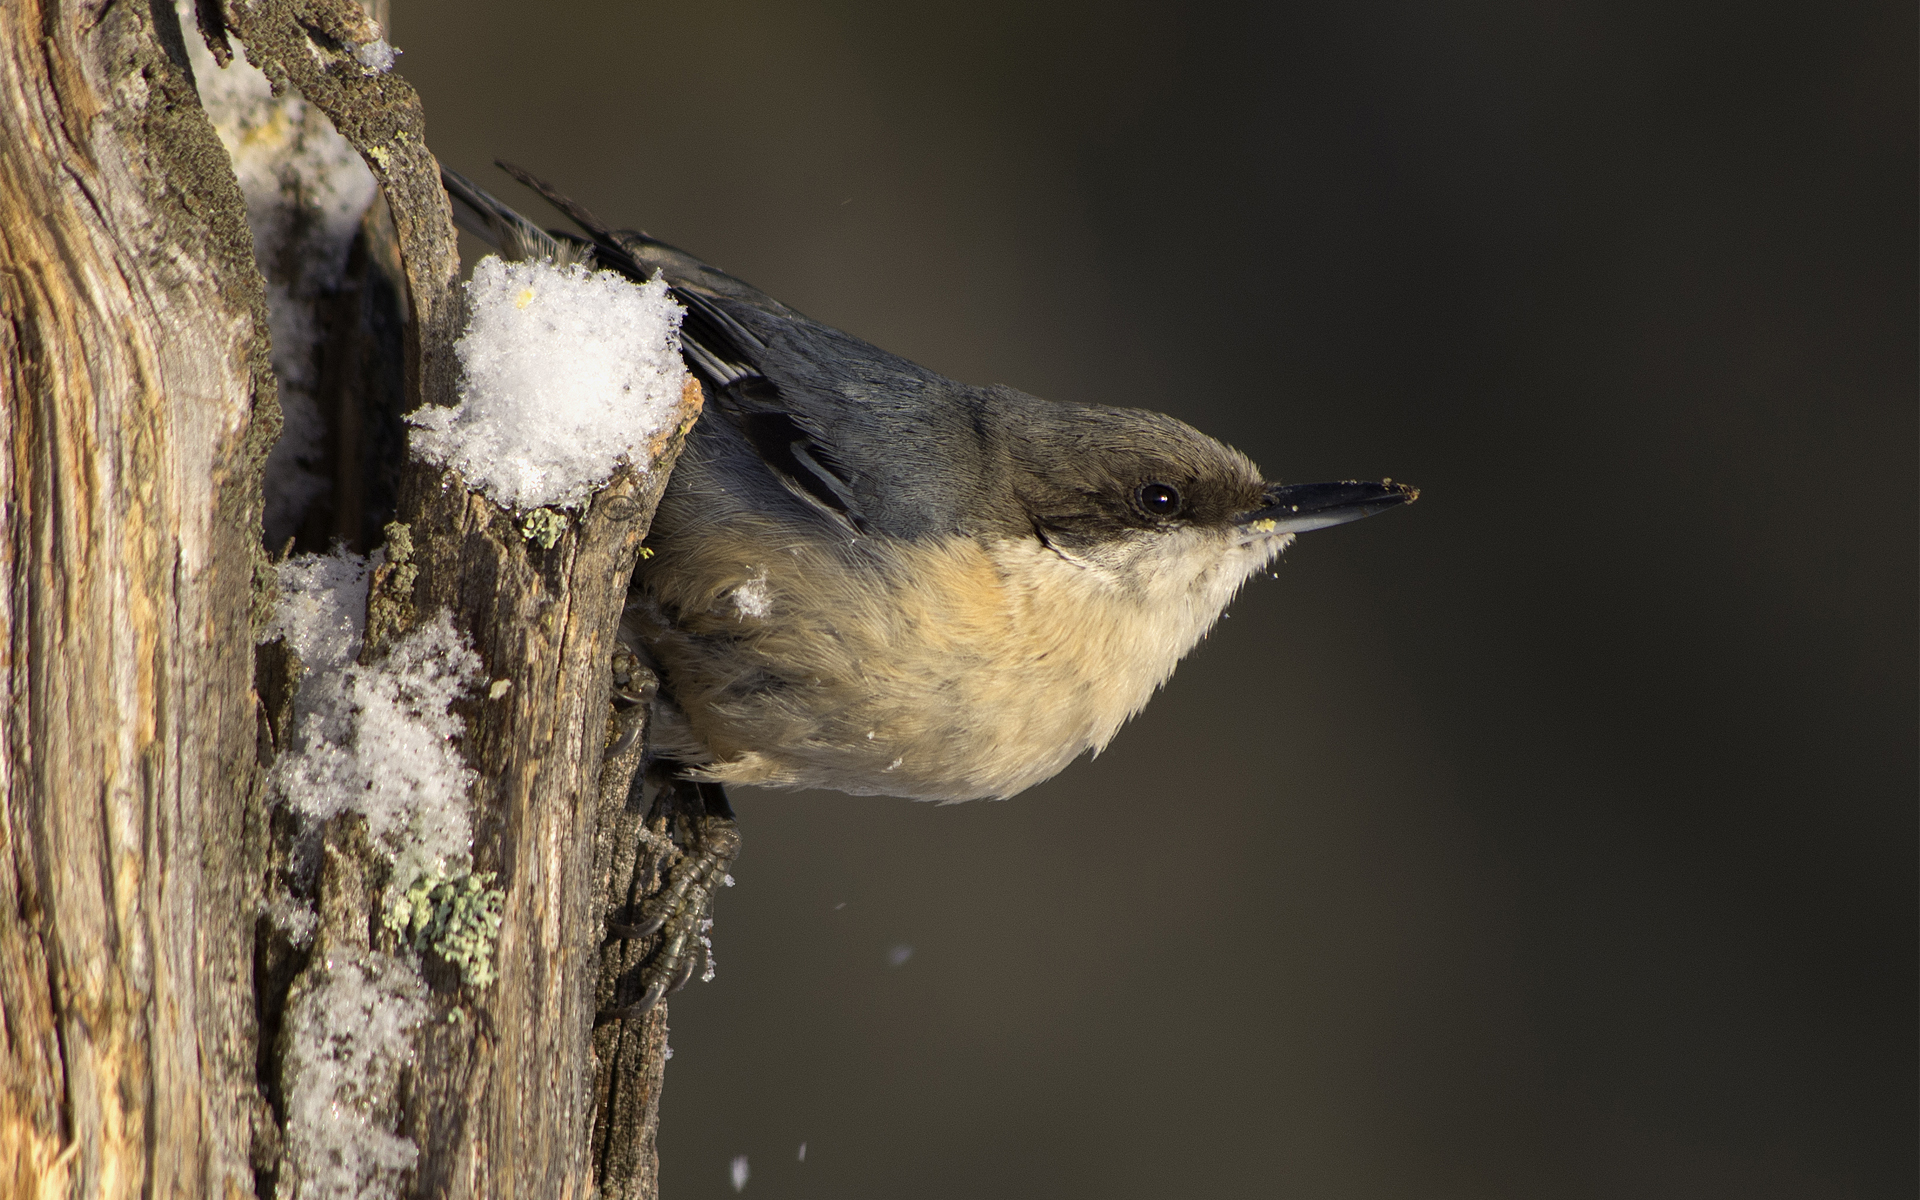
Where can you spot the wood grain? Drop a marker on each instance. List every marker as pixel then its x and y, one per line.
pixel 501 1099
pixel 135 409
pixel 509 1111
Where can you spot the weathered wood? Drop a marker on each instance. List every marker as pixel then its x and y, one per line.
pixel 630 1057
pixel 544 621
pixel 326 247
pixel 312 45
pixel 136 405
pixel 137 411
pixel 360 392
pixel 500 1100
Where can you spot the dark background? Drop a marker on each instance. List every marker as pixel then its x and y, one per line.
pixel 1554 837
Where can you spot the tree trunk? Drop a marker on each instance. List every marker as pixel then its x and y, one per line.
pixel 137 965
pixel 137 408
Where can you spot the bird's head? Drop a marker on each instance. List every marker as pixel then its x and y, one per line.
pixel 1166 512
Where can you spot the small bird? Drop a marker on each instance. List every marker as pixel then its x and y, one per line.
pixel 871 578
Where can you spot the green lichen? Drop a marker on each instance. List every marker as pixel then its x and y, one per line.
pixel 544 526
pixel 457 919
pixel 399 541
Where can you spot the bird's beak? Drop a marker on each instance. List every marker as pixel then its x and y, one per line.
pixel 1299 507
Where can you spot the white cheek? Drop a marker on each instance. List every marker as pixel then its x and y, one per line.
pixel 1249 558
pixel 1192 574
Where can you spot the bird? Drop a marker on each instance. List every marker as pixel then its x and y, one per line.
pixel 869 578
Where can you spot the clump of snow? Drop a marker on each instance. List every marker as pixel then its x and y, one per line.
pixel 294 918
pixel 375 739
pixel 348 1039
pixel 753 600
pixel 322 614
pixel 376 57
pixel 305 190
pixel 737 1170
pixel 567 373
pixel 706 949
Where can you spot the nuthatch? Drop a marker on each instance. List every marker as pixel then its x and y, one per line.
pixel 871 578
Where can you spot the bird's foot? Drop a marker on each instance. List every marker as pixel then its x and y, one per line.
pixel 634 686
pixel 680 913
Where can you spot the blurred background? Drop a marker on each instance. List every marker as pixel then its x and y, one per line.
pixel 1552 838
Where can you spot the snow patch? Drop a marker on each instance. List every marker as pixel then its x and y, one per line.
pixel 753 600
pixel 349 1036
pixel 375 739
pixel 376 57
pixel 295 918
pixel 568 372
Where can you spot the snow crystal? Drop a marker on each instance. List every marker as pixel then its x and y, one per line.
pixel 323 609
pixel 376 57
pixel 803 1152
pixel 376 739
pixel 567 372
pixel 305 189
pixel 752 600
pixel 738 1170
pixel 294 918
pixel 348 1038
pixel 898 955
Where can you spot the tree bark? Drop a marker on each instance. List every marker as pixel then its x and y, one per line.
pixel 136 406
pixel 501 1099
pixel 505 1106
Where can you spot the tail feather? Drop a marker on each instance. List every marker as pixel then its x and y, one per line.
pixel 505 230
pixel 640 255
pixel 575 211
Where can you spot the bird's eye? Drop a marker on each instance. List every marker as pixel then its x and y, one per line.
pixel 1158 499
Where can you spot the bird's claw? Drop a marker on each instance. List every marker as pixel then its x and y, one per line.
pixel 680 914
pixel 633 681
pixel 634 685
pixel 624 742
